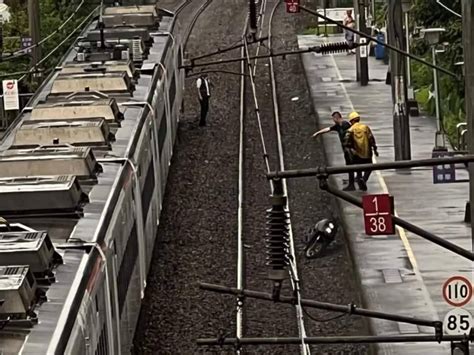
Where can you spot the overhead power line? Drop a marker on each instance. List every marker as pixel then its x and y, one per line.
pixel 32 69
pixel 23 52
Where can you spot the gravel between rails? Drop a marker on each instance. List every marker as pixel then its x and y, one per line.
pixel 197 233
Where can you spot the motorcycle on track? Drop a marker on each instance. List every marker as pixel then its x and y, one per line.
pixel 319 237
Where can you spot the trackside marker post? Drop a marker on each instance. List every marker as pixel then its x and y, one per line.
pixel 378 211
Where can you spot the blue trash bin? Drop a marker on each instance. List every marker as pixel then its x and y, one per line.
pixel 379 49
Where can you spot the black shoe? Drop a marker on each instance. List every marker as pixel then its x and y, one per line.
pixel 349 187
pixel 362 184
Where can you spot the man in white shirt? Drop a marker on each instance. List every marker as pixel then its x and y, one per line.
pixel 204 94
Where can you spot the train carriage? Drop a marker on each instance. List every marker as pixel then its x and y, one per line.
pixel 85 167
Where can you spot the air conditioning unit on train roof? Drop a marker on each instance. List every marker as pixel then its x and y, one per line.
pixel 119 66
pixel 51 160
pixel 34 249
pixel 131 19
pixel 135 9
pixel 77 109
pixel 92 133
pixel 106 83
pixel 120 34
pixel 17 291
pixel 41 195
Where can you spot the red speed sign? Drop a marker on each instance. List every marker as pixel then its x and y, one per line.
pixel 292 6
pixel 457 291
pixel 10 85
pixel 378 210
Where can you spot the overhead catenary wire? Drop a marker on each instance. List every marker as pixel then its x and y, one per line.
pixel 24 51
pixel 87 18
pixel 257 109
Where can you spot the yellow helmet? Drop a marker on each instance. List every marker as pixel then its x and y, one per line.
pixel 353 115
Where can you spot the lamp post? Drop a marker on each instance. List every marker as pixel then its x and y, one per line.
pixel 431 35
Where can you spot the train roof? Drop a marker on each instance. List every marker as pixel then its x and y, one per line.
pixel 90 86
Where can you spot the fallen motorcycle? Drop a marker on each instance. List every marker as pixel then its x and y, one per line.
pixel 319 237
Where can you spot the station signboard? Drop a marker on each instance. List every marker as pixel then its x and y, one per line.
pixel 378 211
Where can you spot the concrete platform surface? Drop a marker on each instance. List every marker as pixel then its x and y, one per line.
pixel 402 273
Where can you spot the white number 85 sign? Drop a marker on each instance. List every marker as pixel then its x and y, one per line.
pixel 458 321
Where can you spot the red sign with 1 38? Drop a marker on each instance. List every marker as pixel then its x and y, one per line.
pixel 378 210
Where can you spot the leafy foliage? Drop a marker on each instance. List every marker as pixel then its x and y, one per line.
pixel 53 14
pixel 429 14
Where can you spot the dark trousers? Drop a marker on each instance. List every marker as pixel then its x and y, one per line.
pixel 348 160
pixel 204 109
pixel 361 175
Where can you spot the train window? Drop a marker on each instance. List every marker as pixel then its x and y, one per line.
pixel 126 267
pixel 97 303
pixel 162 132
pixel 147 193
pixel 172 92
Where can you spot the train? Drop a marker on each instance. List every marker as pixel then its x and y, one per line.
pixel 83 171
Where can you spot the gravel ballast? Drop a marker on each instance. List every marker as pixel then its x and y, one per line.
pixel 198 225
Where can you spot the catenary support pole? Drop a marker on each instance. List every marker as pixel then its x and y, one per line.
pixel 401 126
pixel 468 39
pixel 34 24
pixel 362 52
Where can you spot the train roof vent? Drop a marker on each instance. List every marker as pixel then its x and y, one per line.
pixel 106 83
pixel 34 249
pixel 54 160
pixel 148 19
pixel 107 108
pixel 5 226
pixel 119 66
pixel 94 133
pixel 137 50
pixel 18 293
pixel 121 33
pixel 41 195
pixel 136 9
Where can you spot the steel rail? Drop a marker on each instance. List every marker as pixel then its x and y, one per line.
pixel 350 309
pixel 261 19
pixel 257 109
pixel 305 349
pixel 370 339
pixel 193 22
pixel 402 164
pixel 240 243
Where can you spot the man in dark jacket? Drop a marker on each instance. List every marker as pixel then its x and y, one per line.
pixel 340 126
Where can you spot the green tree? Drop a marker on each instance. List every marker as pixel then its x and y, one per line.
pixel 428 14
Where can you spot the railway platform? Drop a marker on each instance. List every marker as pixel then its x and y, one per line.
pixel 401 273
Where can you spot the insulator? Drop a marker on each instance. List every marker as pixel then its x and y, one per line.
pixel 253 16
pixel 337 47
pixel 277 240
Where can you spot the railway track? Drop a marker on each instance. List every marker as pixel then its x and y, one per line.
pixel 244 269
